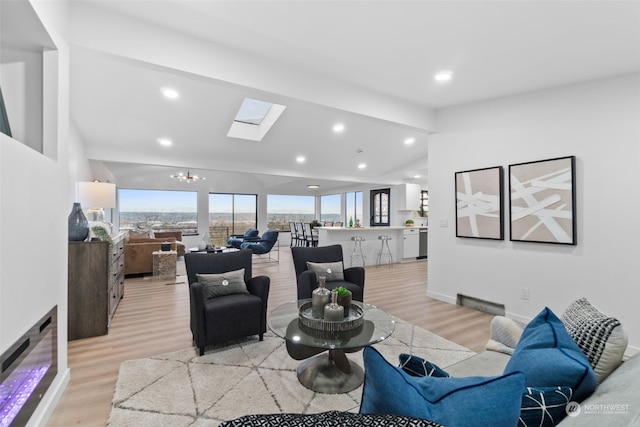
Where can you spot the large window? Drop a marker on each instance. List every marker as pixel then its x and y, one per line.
pixel 282 209
pixel 380 206
pixel 354 207
pixel 231 214
pixel 330 207
pixel 162 210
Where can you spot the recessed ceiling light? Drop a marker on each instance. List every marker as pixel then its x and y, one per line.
pixel 444 76
pixel 170 93
pixel 417 176
pixel 338 127
pixel 362 165
pixel 164 141
pixel 409 141
pixel 313 186
pixel 300 159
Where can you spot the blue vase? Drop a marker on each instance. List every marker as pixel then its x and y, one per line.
pixel 78 224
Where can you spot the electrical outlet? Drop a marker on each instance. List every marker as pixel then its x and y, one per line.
pixel 524 293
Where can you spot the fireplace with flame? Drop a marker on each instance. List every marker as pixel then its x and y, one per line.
pixel 28 369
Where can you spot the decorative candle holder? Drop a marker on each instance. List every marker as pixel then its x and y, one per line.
pixel 310 322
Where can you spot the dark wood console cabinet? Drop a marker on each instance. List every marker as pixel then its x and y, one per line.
pixel 95 286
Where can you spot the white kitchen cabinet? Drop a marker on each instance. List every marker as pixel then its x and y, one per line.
pixel 409 197
pixel 411 243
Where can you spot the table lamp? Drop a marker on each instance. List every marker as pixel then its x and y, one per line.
pixel 97 196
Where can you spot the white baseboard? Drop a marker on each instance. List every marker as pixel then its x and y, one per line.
pixel 517 317
pixel 441 297
pixel 50 401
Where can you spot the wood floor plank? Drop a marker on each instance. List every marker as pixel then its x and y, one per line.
pixel 153 318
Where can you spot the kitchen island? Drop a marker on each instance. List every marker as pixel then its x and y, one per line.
pixel 371 245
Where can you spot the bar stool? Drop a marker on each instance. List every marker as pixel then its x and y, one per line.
pixel 357 249
pixel 385 250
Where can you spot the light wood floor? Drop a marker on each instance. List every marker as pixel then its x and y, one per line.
pixel 153 318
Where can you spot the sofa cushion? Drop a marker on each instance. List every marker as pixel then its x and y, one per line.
pixel 549 357
pixel 449 401
pixel 600 337
pixel 327 419
pixel 616 402
pixel 504 335
pixel 489 363
pixel 331 270
pixel 141 234
pixel 419 367
pixel 544 406
pixel 217 285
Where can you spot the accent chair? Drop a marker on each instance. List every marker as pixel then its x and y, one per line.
pixel 236 240
pixel 217 315
pixel 264 245
pixel 307 278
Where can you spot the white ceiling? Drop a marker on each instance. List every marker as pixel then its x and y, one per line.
pixel 367 64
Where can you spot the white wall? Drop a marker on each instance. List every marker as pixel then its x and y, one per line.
pixel 599 123
pixel 33 220
pixel 21 82
pixel 79 166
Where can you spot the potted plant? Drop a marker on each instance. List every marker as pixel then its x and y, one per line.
pixel 409 223
pixel 314 223
pixel 344 299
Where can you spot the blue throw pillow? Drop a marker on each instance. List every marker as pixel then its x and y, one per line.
pixel 419 367
pixel 448 401
pixel 544 406
pixel 548 356
pixel 540 407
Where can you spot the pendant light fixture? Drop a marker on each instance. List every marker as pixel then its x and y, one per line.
pixel 188 177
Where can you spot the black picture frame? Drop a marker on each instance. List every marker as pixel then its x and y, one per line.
pixel 542 201
pixel 480 203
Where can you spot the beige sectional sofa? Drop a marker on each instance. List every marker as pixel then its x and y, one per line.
pixel 139 248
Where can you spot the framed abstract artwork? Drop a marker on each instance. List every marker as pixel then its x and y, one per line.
pixel 542 201
pixel 480 204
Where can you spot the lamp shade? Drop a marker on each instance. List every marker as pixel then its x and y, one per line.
pixel 97 194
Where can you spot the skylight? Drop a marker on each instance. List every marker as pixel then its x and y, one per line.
pixel 254 119
pixel 253 111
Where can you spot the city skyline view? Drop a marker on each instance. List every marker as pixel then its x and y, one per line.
pixel 134 200
pixel 228 213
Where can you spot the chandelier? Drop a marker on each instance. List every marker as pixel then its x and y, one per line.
pixel 188 177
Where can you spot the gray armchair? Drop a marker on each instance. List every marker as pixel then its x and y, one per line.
pixel 229 317
pixel 307 280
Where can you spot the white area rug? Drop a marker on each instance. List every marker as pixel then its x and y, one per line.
pixel 246 377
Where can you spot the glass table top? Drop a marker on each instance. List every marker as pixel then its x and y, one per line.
pixel 377 326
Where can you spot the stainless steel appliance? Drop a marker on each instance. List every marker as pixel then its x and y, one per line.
pixel 422 252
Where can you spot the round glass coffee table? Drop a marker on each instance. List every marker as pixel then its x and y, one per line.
pixel 327 368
